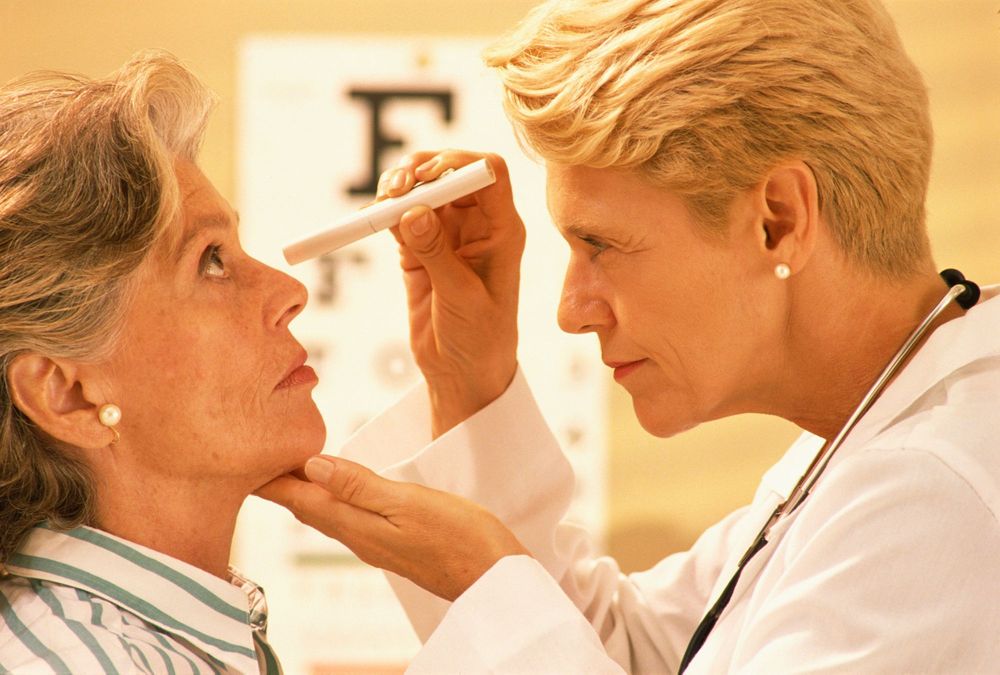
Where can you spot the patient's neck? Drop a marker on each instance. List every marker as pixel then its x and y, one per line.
pixel 193 522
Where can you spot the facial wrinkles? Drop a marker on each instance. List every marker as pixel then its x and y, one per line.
pixel 649 322
pixel 678 367
pixel 255 386
pixel 285 410
pixel 255 410
pixel 630 241
pixel 271 363
pixel 216 342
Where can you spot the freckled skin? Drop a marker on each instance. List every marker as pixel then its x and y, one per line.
pixel 200 356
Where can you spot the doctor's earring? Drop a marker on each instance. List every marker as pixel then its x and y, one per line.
pixel 782 271
pixel 110 415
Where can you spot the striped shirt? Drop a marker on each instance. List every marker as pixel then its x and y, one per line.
pixel 85 601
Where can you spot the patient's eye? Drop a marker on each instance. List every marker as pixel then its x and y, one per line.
pixel 211 264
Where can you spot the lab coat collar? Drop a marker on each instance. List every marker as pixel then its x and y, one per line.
pixel 952 347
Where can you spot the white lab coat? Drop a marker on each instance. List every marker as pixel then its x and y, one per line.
pixel 890 566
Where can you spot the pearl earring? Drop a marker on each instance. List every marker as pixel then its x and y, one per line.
pixel 110 415
pixel 782 271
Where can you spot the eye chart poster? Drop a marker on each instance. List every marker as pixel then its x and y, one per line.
pixel 319 119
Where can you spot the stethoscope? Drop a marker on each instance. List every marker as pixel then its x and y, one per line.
pixel 961 291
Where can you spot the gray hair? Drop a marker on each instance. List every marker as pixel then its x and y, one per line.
pixel 87 187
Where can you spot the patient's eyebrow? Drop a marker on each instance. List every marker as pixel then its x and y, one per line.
pixel 212 221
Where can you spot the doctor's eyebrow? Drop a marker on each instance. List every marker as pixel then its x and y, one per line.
pixel 587 233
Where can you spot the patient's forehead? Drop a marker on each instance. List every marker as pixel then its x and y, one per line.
pixel 202 208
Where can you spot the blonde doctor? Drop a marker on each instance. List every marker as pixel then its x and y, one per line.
pixel 741 184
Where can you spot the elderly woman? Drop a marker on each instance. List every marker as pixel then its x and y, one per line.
pixel 741 184
pixel 150 383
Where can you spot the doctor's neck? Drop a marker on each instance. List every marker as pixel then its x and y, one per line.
pixel 847 327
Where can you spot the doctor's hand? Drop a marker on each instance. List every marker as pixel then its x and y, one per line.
pixel 439 541
pixel 461 265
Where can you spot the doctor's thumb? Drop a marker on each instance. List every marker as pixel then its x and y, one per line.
pixel 349 482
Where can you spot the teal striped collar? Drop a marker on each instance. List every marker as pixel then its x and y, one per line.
pixel 208 612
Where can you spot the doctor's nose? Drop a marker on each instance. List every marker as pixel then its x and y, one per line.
pixel 581 309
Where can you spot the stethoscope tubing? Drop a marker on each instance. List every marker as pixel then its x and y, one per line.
pixel 958 287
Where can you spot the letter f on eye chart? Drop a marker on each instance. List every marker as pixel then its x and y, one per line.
pixel 387 213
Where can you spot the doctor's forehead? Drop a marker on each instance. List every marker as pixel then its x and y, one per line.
pixel 566 194
pixel 586 200
pixel 616 206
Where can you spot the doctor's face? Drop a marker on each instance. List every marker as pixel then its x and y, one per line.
pixel 682 315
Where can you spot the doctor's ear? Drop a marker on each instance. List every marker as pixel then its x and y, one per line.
pixel 787 202
pixel 51 393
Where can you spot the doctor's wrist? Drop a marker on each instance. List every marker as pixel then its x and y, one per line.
pixel 455 399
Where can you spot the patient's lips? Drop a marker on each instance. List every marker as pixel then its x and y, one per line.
pixel 298 373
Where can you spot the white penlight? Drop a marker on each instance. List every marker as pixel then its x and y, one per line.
pixel 387 213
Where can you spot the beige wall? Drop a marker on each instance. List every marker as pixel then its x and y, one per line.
pixel 662 492
pixel 96 36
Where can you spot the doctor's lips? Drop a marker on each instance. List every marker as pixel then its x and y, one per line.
pixel 623 368
pixel 298 373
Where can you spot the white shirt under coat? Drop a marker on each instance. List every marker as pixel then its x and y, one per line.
pixel 890 566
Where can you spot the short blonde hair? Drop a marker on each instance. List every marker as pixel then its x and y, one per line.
pixel 87 187
pixel 705 96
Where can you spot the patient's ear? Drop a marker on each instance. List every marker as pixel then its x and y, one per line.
pixel 51 394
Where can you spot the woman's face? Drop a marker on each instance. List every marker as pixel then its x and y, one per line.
pixel 688 321
pixel 209 378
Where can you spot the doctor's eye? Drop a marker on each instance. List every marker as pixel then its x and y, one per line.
pixel 596 245
pixel 211 264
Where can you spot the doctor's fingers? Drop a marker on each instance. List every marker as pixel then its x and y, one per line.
pixel 495 218
pixel 438 540
pixel 355 484
pixel 424 237
pixel 427 165
pixel 496 200
pixel 316 507
pixel 401 178
pixel 412 510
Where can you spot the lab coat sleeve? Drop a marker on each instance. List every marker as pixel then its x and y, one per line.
pixel 899 576
pixel 558 639
pixel 507 459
